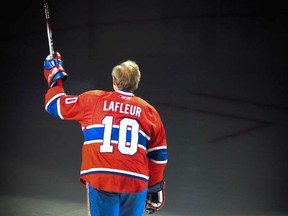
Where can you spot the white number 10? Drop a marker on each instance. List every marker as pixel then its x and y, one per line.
pixel 124 147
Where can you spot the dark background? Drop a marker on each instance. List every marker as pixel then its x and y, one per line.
pixel 215 70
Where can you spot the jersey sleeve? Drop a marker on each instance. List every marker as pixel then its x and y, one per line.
pixel 157 151
pixel 66 107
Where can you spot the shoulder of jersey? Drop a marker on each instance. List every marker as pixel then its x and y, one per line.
pixel 146 104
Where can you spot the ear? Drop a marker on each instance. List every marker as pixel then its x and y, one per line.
pixel 113 80
pixel 115 87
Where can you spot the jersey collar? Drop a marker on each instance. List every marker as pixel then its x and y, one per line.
pixel 125 92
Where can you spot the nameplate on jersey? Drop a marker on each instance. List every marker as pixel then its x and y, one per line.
pixel 125 108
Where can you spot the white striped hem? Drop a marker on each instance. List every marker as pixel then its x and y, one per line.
pixel 114 171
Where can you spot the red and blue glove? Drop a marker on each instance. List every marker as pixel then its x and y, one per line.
pixel 155 197
pixel 54 70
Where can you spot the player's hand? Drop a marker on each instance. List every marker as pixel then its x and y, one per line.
pixel 155 197
pixel 54 70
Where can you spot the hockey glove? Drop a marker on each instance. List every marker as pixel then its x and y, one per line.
pixel 155 197
pixel 54 70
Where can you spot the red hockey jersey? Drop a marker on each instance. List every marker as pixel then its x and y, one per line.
pixel 124 146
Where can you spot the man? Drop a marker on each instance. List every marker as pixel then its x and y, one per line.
pixel 124 152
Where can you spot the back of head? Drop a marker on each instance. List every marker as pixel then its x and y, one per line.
pixel 126 75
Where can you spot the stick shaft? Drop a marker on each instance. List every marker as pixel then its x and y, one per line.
pixel 49 29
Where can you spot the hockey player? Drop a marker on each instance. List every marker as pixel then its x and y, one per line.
pixel 124 152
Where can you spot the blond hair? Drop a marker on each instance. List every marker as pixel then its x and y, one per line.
pixel 126 75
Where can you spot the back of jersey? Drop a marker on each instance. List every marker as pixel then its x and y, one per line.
pixel 124 144
pixel 117 127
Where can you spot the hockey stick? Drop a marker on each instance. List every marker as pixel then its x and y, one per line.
pixel 49 30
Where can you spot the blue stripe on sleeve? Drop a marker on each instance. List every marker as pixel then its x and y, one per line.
pixel 158 155
pixel 52 108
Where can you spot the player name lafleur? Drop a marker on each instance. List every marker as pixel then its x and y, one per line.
pixel 126 108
